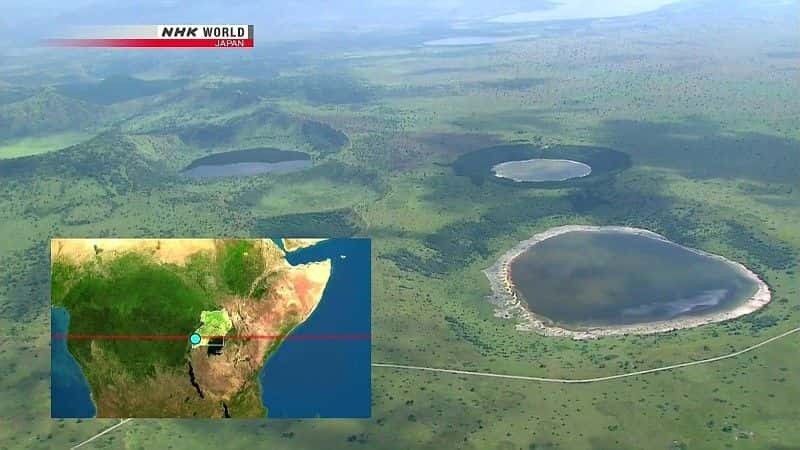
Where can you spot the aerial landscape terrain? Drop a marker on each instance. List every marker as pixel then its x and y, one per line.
pixel 582 225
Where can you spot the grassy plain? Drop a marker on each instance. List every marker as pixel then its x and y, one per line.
pixel 706 114
pixel 35 145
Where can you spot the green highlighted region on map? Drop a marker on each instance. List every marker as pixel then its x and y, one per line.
pixel 215 323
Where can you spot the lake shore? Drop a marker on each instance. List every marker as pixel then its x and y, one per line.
pixel 509 305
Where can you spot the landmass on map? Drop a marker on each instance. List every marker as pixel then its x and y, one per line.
pixel 295 244
pixel 241 296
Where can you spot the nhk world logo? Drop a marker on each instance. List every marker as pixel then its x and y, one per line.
pixel 204 31
pixel 160 36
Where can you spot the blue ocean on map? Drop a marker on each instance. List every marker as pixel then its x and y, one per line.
pixel 310 377
pixel 70 396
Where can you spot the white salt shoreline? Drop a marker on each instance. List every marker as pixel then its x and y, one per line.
pixel 502 170
pixel 508 304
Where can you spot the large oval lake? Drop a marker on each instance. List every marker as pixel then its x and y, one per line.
pixel 541 169
pixel 601 278
pixel 247 162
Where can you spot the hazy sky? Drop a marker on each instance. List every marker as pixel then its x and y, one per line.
pixel 296 16
pixel 24 19
pixel 128 11
pixel 584 9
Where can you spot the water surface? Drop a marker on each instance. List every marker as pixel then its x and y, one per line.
pixel 607 278
pixel 247 162
pixel 245 169
pixel 70 396
pixel 312 377
pixel 537 170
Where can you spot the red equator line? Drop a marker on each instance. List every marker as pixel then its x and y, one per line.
pixel 164 337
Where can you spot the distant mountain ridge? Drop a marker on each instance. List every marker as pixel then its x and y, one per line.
pixel 46 112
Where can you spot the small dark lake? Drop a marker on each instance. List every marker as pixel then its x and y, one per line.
pixel 606 278
pixel 252 161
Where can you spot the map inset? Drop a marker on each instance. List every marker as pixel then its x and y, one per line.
pixel 210 328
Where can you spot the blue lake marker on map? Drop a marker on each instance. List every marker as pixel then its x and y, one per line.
pixel 194 338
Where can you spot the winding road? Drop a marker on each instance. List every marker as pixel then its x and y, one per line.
pixel 591 380
pixel 111 428
pixel 539 379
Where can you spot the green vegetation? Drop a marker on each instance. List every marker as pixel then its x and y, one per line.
pixel 321 88
pixel 710 131
pixel 35 145
pixel 326 186
pixel 132 294
pixel 119 297
pixel 322 137
pixel 116 89
pixel 240 264
pixel 110 160
pixel 46 113
pixel 335 223
pixel 333 88
pixel 255 126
